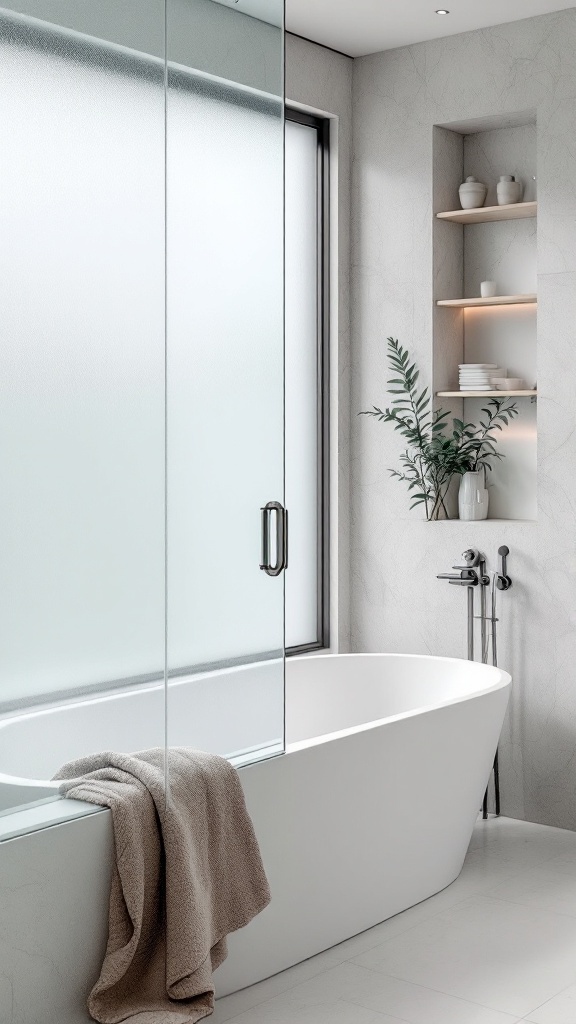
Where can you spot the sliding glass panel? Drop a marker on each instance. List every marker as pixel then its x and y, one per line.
pixel 81 384
pixel 225 378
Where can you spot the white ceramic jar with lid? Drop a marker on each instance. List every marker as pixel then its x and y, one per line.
pixel 472 194
pixel 508 190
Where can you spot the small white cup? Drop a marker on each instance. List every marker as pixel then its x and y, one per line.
pixel 488 289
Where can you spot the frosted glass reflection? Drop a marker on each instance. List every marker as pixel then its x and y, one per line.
pixel 81 363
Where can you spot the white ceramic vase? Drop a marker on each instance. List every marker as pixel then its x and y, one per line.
pixel 472 194
pixel 508 190
pixel 473 496
pixel 488 289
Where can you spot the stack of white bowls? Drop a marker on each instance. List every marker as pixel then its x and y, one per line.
pixel 476 376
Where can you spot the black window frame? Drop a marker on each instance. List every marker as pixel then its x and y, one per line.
pixel 322 127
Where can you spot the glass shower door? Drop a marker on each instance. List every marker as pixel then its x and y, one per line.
pixel 225 377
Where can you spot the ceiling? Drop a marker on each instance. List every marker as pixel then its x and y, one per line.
pixel 265 10
pixel 357 27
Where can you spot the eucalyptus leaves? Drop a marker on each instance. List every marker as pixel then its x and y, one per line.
pixel 434 454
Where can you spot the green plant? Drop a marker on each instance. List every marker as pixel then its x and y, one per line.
pixel 434 454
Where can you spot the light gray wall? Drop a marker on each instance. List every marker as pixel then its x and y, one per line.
pixel 321 79
pixel 397 603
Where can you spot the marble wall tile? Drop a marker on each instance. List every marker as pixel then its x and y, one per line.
pixel 397 603
pixel 506 255
pixel 556 188
pixel 557 418
pixel 489 154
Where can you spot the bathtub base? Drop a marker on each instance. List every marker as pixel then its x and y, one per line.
pixel 370 825
pixel 361 818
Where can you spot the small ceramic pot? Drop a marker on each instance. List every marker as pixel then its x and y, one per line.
pixel 473 496
pixel 509 190
pixel 472 194
pixel 488 289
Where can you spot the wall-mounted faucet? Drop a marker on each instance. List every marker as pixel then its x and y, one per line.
pixel 468 576
pixel 473 574
pixel 465 578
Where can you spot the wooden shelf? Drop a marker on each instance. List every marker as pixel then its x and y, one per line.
pixel 482 522
pixel 487 394
pixel 488 214
pixel 494 300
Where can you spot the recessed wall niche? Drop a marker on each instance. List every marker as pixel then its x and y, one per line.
pixel 492 244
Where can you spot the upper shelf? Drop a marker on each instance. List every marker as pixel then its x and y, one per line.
pixel 494 300
pixel 486 214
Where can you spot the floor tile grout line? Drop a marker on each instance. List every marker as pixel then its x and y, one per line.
pixel 381 1013
pixel 555 996
pixel 513 874
pixel 341 999
pixel 529 906
pixel 380 942
pixel 546 859
pixel 410 927
pixel 503 838
pixel 265 999
pixel 431 917
pixel 469 895
pixel 441 992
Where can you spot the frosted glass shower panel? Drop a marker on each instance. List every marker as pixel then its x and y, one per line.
pixel 225 383
pixel 225 413
pixel 81 359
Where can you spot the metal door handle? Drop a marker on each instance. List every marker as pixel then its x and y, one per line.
pixel 281 538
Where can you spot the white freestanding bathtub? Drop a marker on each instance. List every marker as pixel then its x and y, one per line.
pixel 368 812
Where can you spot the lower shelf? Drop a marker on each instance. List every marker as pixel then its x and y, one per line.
pixel 492 300
pixel 482 522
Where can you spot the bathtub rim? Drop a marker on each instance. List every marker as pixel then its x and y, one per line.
pixel 501 678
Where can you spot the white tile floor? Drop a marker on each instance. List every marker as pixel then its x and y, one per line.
pixel 497 947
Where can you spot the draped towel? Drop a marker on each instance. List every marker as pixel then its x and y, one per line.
pixel 187 872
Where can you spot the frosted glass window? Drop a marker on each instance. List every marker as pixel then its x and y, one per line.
pixel 225 382
pixel 303 388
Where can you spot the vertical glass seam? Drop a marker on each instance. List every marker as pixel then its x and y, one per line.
pixel 283 123
pixel 166 774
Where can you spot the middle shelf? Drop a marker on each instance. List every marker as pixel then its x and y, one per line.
pixel 487 394
pixel 494 300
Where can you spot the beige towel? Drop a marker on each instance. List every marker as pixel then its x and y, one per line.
pixel 188 871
